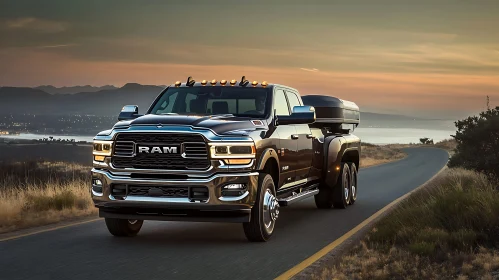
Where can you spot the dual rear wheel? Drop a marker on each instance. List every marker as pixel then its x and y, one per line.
pixel 343 193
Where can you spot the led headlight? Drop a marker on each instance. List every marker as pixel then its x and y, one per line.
pixel 102 149
pixel 236 150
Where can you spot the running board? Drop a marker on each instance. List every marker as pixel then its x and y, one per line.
pixel 297 197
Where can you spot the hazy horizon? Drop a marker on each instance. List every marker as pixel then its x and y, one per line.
pixel 424 58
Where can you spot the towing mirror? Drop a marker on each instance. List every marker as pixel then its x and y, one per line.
pixel 300 115
pixel 129 112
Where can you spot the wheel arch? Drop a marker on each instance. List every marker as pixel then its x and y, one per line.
pixel 269 163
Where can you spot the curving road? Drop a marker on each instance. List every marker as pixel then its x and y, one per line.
pixel 176 250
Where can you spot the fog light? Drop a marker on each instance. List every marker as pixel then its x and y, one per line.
pixel 99 158
pixel 234 189
pixel 97 185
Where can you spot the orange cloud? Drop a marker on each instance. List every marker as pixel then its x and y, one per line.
pixel 382 90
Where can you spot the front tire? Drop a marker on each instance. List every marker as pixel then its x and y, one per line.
pixel 264 213
pixel 122 227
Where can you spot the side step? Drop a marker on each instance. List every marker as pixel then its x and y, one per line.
pixel 297 197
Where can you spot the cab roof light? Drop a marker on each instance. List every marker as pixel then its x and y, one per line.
pixel 223 82
pixel 177 83
pixel 203 82
pixel 254 83
pixel 213 82
pixel 264 84
pixel 233 82
pixel 244 82
pixel 190 82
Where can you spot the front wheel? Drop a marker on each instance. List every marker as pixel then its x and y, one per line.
pixel 264 213
pixel 122 227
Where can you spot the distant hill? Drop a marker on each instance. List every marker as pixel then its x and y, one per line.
pixel 109 101
pixel 72 90
pixel 106 102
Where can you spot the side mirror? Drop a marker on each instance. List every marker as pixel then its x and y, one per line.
pixel 300 115
pixel 129 112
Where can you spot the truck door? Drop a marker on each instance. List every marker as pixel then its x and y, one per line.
pixel 287 144
pixel 305 153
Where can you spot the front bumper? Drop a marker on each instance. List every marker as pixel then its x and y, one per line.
pixel 216 208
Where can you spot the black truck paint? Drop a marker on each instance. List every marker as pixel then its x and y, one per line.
pixel 198 155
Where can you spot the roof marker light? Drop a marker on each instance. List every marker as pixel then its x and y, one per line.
pixel 254 83
pixel 223 82
pixel 213 82
pixel 203 82
pixel 264 84
pixel 233 82
pixel 177 83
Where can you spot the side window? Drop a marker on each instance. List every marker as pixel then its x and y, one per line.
pixel 280 103
pixel 293 100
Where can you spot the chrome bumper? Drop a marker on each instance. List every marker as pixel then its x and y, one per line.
pixel 176 208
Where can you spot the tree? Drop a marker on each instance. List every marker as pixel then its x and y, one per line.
pixel 477 140
pixel 423 140
pixel 426 141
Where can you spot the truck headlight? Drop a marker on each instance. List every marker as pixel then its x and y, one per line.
pixel 236 150
pixel 101 149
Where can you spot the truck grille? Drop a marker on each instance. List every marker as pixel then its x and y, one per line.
pixel 165 191
pixel 193 153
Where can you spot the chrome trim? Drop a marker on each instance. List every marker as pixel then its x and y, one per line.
pixel 208 134
pixel 234 198
pixel 96 193
pixel 125 180
pixel 155 199
pixel 116 170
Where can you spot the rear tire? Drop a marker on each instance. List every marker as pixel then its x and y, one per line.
pixel 264 213
pixel 353 183
pixel 341 191
pixel 122 227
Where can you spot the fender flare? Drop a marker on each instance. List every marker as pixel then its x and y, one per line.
pixel 266 155
pixel 335 149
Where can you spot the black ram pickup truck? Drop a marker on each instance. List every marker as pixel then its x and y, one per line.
pixel 225 151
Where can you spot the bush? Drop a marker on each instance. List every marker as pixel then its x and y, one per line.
pixel 477 140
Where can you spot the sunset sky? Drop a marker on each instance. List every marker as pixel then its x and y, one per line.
pixel 435 58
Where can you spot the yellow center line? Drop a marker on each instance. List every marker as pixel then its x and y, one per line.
pixel 48 229
pixel 324 251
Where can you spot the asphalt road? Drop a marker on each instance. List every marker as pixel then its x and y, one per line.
pixel 176 250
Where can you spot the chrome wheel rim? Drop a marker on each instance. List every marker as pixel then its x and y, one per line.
pixel 132 222
pixel 346 189
pixel 354 188
pixel 270 210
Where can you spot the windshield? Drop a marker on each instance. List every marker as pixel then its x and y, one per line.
pixel 210 100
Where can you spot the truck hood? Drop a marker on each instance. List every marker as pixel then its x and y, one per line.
pixel 220 124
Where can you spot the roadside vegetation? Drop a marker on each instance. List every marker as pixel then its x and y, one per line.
pixel 447 230
pixel 376 154
pixel 37 193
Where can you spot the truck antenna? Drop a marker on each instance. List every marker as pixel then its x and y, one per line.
pixel 190 81
pixel 243 82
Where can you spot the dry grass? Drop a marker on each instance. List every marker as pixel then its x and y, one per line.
pixel 376 154
pixel 39 193
pixel 448 230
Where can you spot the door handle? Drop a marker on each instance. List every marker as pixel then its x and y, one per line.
pixel 310 136
pixel 294 136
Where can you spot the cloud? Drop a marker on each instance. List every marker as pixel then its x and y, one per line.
pixel 56 46
pixel 310 70
pixel 36 24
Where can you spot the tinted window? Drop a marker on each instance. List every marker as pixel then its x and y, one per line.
pixel 280 103
pixel 293 100
pixel 244 102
